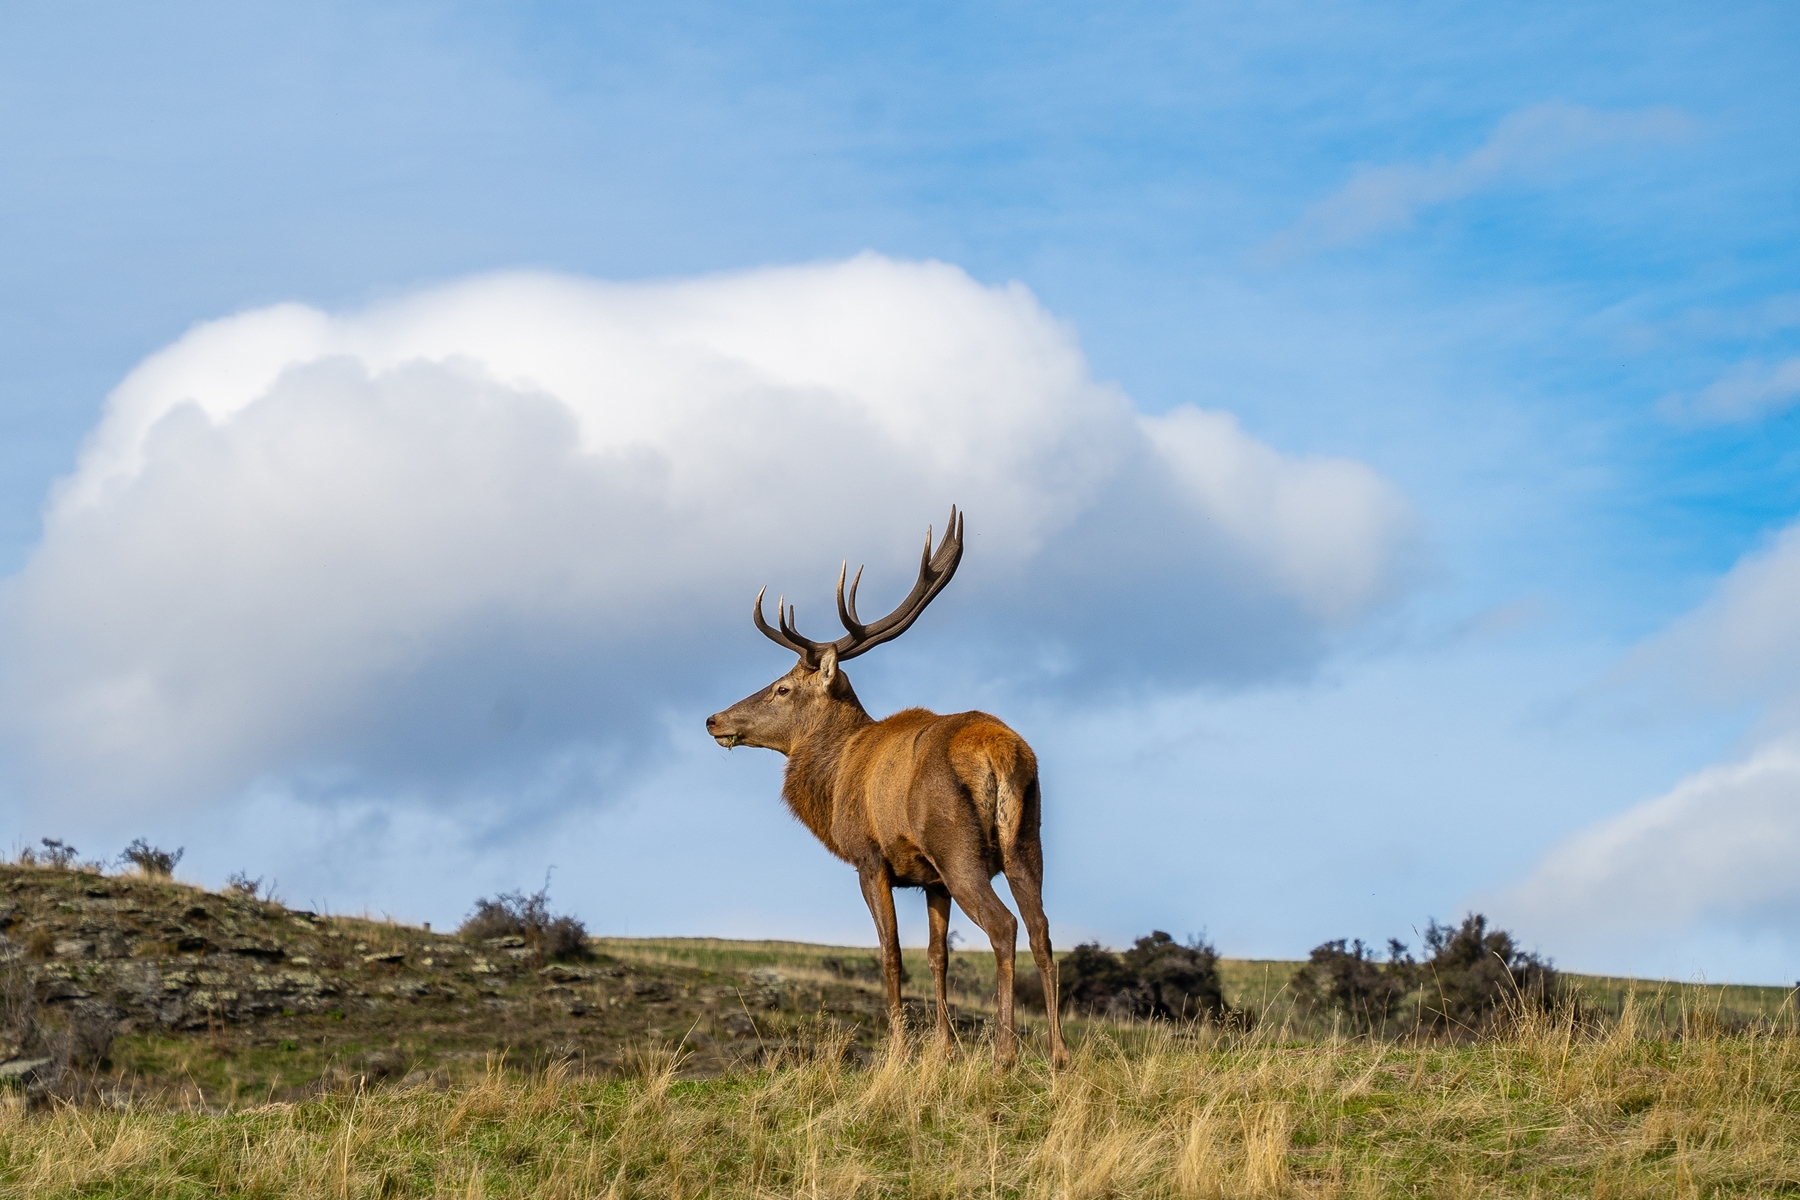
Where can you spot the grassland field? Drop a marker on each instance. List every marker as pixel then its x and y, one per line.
pixel 641 1081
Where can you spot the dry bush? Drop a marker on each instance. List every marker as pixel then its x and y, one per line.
pixel 153 861
pixel 54 853
pixel 515 914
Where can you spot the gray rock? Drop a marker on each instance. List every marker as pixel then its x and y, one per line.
pixel 253 948
pixel 51 989
pixel 24 1070
pixel 770 992
pixel 305 982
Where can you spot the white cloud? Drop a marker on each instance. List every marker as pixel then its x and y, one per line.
pixel 1713 858
pixel 472 542
pixel 1747 392
pixel 1743 644
pixel 1526 146
pixel 1314 522
pixel 1718 848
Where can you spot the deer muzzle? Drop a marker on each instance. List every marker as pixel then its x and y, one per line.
pixel 720 733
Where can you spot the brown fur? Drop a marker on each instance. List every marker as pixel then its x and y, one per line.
pixel 942 803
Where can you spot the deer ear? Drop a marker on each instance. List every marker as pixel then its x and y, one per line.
pixel 828 666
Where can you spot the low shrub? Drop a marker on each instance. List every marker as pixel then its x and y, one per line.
pixel 1346 978
pixel 56 854
pixel 151 860
pixel 1157 979
pixel 516 914
pixel 1472 976
pixel 1475 973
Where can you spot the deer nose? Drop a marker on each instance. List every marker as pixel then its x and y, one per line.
pixel 712 720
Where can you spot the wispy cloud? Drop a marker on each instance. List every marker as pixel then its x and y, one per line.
pixel 1527 146
pixel 1747 392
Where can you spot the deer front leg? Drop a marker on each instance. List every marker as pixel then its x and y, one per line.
pixel 878 890
pixel 937 901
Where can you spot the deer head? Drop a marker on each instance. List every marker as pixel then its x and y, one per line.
pixel 816 691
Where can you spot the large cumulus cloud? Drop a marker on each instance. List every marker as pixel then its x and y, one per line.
pixel 482 539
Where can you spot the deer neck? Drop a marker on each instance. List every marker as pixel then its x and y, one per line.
pixel 815 762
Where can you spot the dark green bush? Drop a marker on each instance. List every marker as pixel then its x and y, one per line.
pixel 1346 978
pixel 1474 973
pixel 1470 978
pixel 1158 978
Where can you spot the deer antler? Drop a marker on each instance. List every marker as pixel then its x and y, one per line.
pixel 935 571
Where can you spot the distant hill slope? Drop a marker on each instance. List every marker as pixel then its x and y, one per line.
pixel 124 984
pixel 132 982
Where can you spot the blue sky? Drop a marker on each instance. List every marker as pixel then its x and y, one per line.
pixel 1536 269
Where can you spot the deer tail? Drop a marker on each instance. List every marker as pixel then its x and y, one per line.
pixel 1016 799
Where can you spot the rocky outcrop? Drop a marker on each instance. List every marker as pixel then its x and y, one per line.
pixel 85 953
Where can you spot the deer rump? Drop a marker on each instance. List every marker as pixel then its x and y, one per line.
pixel 935 789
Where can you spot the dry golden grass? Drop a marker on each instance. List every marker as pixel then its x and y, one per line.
pixel 1552 1110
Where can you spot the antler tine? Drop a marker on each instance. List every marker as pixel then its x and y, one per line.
pixel 847 611
pixel 785 636
pixel 935 571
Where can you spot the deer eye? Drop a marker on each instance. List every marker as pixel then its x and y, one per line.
pixel 782 690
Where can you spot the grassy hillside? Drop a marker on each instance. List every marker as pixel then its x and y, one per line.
pixel 208 1044
pixel 150 988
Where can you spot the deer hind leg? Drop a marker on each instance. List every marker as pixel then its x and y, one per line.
pixel 937 901
pixel 878 890
pixel 974 892
pixel 1022 857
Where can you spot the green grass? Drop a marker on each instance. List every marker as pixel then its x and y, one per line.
pixel 1147 1111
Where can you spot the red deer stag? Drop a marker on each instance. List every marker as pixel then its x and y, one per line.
pixel 915 800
